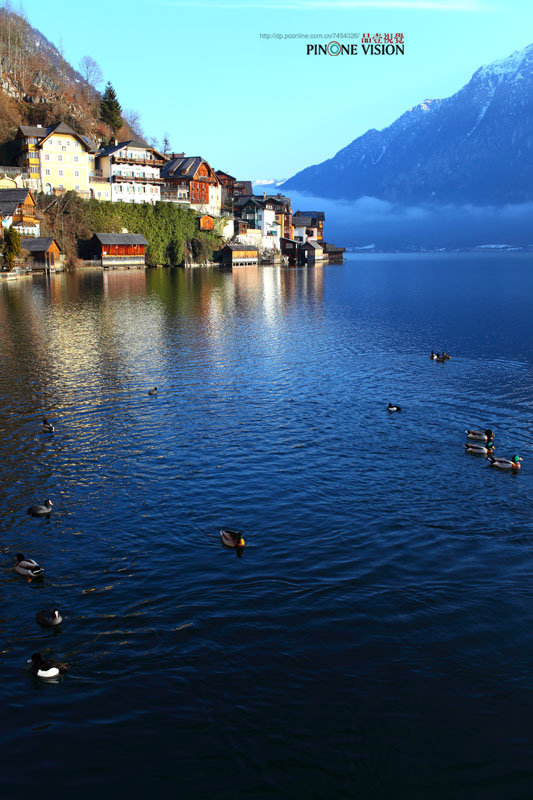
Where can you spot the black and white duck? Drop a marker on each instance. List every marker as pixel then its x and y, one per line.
pixel 433 356
pixel 232 538
pixel 47 667
pixel 48 618
pixel 47 427
pixel 152 392
pixel 392 408
pixel 41 510
pixel 506 463
pixel 27 566
pixel 482 436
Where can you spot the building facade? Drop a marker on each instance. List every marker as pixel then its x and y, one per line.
pixel 18 209
pixel 131 170
pixel 191 181
pixel 55 158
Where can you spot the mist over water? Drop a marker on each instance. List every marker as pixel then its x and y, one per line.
pixel 375 638
pixel 369 220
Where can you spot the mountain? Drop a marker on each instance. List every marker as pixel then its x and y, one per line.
pixel 38 86
pixel 474 147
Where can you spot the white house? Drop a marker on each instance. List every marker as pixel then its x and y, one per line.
pixel 133 170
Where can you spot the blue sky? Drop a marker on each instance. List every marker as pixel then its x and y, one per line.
pixel 261 108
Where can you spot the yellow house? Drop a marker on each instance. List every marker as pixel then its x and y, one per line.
pixel 56 158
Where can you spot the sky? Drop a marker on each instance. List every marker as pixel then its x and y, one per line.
pixel 262 108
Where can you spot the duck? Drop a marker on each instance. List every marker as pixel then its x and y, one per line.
pixel 480 449
pixel 47 426
pixel 433 356
pixel 445 356
pixel 153 391
pixel 482 436
pixel 49 618
pixel 27 566
pixel 41 510
pixel 232 538
pixel 440 359
pixel 393 408
pixel 47 667
pixel 506 463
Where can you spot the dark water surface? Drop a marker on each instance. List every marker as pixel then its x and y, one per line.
pixel 375 639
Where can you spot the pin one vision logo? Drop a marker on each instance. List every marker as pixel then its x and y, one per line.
pixel 388 44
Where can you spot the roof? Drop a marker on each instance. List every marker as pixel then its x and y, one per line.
pixel 226 174
pixel 92 144
pixel 60 127
pixel 244 185
pixel 241 199
pixel 184 167
pixel 120 238
pixel 312 243
pixel 37 244
pixel 34 130
pixel 254 201
pixel 302 222
pixel 241 247
pixel 109 149
pixel 10 199
pixel 315 214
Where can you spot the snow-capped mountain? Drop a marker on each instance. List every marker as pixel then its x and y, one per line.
pixel 474 147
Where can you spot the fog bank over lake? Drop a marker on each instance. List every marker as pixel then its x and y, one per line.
pixel 389 226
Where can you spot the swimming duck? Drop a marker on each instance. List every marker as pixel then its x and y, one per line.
pixel 232 538
pixel 445 356
pixel 47 426
pixel 47 667
pixel 41 510
pixel 49 618
pixel 480 449
pixel 506 463
pixel 27 566
pixel 482 436
pixel 393 408
pixel 440 359
pixel 153 391
pixel 433 356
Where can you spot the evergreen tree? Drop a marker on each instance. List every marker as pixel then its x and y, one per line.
pixel 110 110
pixel 11 248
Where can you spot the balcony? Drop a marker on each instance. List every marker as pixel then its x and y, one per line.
pixel 136 179
pixel 146 162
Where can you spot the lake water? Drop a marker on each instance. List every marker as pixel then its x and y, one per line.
pixel 375 638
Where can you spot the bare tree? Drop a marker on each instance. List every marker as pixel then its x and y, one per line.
pixel 90 71
pixel 133 120
pixel 166 144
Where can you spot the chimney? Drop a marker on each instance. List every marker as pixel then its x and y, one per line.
pixel 38 125
pixel 115 141
pixel 264 195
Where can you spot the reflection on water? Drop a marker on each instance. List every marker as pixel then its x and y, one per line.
pixel 374 639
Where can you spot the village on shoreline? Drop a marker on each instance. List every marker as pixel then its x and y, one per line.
pixel 52 161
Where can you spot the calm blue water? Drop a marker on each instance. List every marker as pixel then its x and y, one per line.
pixel 375 639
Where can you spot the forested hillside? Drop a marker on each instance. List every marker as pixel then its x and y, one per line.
pixel 37 85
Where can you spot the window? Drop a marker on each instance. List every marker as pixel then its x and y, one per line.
pixel 60 173
pixel 77 187
pixel 60 158
pixel 47 172
pixel 46 157
pixel 76 173
pixel 76 159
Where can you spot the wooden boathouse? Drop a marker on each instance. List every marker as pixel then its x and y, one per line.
pixel 119 250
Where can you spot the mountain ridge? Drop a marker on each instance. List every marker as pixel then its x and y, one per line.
pixel 474 146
